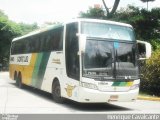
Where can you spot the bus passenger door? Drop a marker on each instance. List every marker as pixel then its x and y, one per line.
pixel 72 61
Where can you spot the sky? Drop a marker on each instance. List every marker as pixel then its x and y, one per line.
pixel 41 11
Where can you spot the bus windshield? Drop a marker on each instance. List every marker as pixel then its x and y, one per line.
pixel 104 30
pixel 110 51
pixel 110 58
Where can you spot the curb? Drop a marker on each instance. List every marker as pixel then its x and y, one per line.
pixel 148 98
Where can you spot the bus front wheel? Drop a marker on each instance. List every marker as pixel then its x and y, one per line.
pixel 56 92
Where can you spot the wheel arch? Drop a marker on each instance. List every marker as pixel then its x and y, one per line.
pixel 54 81
pixel 57 97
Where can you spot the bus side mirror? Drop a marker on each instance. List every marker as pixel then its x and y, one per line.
pixel 144 50
pixel 82 43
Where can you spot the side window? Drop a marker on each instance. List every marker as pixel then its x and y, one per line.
pixel 57 39
pixel 44 42
pixel 28 46
pixel 32 43
pixel 23 46
pixel 41 44
pixel 36 43
pixel 48 42
pixel 72 47
pixel 61 30
pixel 18 47
pixel 53 39
pixel 13 48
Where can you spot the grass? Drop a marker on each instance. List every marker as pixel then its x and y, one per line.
pixel 145 94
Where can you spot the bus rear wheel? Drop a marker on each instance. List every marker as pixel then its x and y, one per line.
pixel 15 76
pixel 19 81
pixel 56 92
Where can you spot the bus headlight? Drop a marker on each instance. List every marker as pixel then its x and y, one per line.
pixel 135 86
pixel 88 85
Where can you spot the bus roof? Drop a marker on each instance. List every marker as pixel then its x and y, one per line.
pixel 98 21
pixel 38 31
pixel 71 21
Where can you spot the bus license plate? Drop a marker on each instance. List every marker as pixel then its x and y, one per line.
pixel 114 97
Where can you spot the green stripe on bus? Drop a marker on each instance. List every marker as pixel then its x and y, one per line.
pixel 123 83
pixel 119 84
pixel 116 83
pixel 36 68
pixel 42 69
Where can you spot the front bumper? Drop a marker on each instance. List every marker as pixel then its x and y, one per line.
pixel 95 96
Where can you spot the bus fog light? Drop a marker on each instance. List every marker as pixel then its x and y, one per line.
pixel 134 87
pixel 88 85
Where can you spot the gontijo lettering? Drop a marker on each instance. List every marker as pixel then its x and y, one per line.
pixel 22 59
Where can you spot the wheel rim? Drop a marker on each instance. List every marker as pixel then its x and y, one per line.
pixel 57 91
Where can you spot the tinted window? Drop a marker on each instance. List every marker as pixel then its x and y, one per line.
pixel 31 44
pixel 51 40
pixel 57 39
pixel 98 54
pixel 104 30
pixel 18 47
pixel 72 58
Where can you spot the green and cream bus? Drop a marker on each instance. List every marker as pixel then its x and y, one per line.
pixel 84 60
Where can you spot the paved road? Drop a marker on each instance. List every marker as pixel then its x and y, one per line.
pixel 28 100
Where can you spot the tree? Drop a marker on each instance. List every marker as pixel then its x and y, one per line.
pixel 146 23
pixel 150 81
pixel 26 28
pixel 99 13
pixel 93 13
pixel 115 6
pixel 147 2
pixel 8 31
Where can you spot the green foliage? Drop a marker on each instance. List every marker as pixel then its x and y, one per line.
pixel 8 31
pixel 150 81
pixel 155 44
pixel 26 28
pixel 146 23
pixel 96 13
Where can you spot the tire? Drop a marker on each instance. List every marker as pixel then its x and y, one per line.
pixel 19 81
pixel 15 77
pixel 56 92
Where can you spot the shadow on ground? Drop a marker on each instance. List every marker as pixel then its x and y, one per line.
pixel 88 107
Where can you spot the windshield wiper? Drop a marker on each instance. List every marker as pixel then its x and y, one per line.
pixel 115 59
